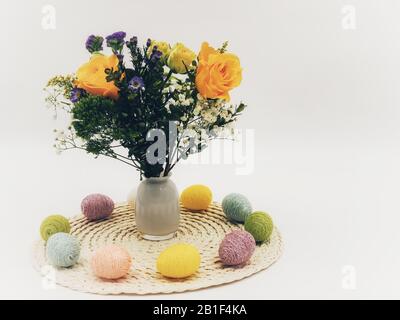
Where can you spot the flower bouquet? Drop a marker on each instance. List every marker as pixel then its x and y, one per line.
pixel 147 106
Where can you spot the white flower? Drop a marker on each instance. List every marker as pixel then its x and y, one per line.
pixel 60 134
pixel 186 103
pixel 166 70
pixel 209 116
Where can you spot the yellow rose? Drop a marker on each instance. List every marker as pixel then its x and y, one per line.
pixel 217 73
pixel 162 46
pixel 91 76
pixel 181 58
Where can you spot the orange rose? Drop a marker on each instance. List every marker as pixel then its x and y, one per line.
pixel 91 77
pixel 217 73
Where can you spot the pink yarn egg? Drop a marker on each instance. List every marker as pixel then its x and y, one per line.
pixel 97 206
pixel 237 248
pixel 111 262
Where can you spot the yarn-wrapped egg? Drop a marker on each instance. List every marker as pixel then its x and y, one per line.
pixel 260 225
pixel 54 224
pixel 62 250
pixel 179 261
pixel 236 207
pixel 97 206
pixel 111 262
pixel 196 197
pixel 236 248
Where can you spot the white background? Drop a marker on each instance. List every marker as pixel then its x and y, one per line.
pixel 324 104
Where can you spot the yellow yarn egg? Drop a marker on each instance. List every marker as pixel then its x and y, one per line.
pixel 196 197
pixel 179 261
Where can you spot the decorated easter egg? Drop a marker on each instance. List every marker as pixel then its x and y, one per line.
pixel 54 224
pixel 62 250
pixel 111 262
pixel 179 261
pixel 97 206
pixel 236 248
pixel 260 225
pixel 196 197
pixel 236 207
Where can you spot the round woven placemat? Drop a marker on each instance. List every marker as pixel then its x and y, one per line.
pixel 203 229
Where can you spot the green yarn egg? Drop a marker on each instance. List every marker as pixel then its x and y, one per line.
pixel 236 207
pixel 260 225
pixel 54 224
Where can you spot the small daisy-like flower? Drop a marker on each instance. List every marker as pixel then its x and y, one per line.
pixel 76 94
pixel 136 84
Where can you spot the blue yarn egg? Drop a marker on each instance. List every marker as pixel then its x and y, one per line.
pixel 236 207
pixel 62 250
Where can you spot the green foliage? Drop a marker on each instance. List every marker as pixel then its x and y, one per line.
pixel 93 116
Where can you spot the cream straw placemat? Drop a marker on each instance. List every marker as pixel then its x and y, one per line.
pixel 203 229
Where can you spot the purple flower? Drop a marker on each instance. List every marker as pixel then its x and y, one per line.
pixel 116 37
pixel 148 43
pixel 136 84
pixel 76 94
pixel 132 42
pixel 94 43
pixel 156 56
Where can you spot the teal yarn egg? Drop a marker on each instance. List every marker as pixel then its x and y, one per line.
pixel 236 207
pixel 260 225
pixel 62 250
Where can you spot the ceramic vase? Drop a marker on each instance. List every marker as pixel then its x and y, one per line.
pixel 157 208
